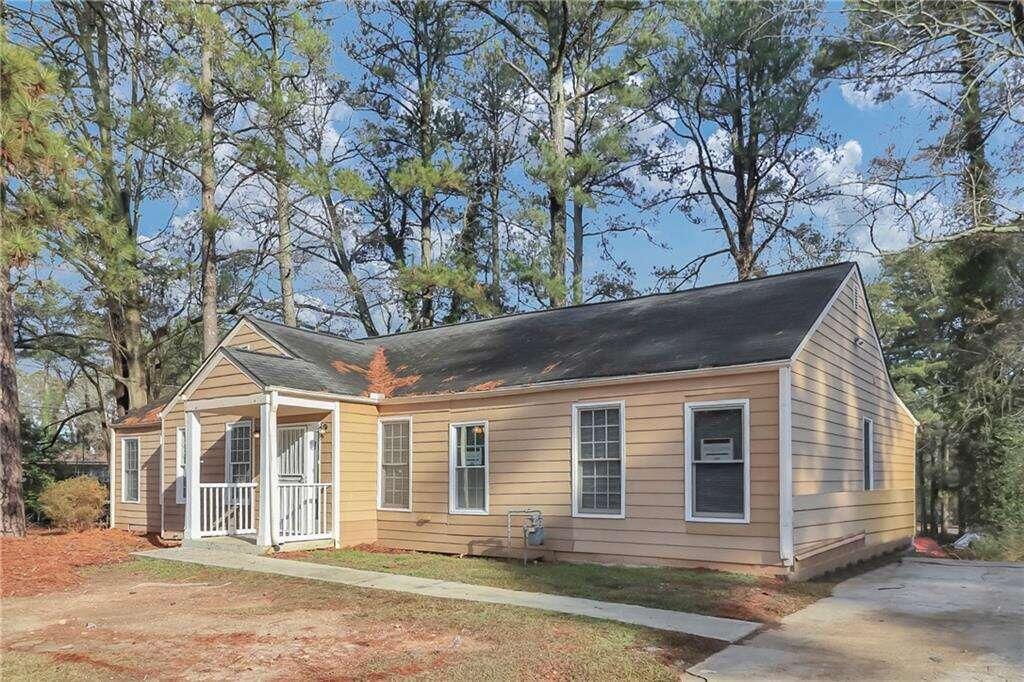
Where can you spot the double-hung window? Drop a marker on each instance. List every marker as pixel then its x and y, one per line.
pixel 599 467
pixel 868 453
pixel 181 466
pixel 130 470
pixel 395 444
pixel 717 461
pixel 468 474
pixel 238 465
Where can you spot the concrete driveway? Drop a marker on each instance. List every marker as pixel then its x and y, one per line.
pixel 920 619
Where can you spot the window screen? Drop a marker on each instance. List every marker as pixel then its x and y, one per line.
pixel 131 469
pixel 717 463
pixel 470 467
pixel 868 437
pixel 600 461
pixel 394 462
pixel 240 453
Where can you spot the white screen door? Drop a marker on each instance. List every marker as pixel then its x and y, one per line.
pixel 297 475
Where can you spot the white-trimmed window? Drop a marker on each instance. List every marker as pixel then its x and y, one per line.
pixel 238 454
pixel 599 459
pixel 868 453
pixel 394 444
pixel 129 469
pixel 717 461
pixel 180 466
pixel 469 462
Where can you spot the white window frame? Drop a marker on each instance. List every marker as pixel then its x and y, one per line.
pixel 138 471
pixel 576 408
pixel 180 466
pixel 380 463
pixel 868 435
pixel 453 452
pixel 227 450
pixel 688 478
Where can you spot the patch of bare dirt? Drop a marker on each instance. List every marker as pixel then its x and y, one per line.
pixel 48 561
pixel 131 627
pixel 770 599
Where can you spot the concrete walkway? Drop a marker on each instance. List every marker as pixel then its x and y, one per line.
pixel 725 629
pixel 916 620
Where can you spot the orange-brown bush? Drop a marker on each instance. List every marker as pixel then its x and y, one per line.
pixel 75 503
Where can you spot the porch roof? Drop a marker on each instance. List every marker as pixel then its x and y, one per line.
pixel 275 370
pixel 738 323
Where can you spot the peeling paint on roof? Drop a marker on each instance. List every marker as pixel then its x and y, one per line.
pixel 142 416
pixel 382 380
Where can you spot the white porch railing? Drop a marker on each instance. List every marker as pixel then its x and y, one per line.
pixel 227 509
pixel 303 512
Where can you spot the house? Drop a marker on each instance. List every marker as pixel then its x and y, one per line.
pixel 745 426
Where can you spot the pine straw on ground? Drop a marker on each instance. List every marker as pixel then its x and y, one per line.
pixel 48 561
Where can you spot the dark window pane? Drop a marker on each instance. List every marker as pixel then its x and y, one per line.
pixel 718 489
pixel 710 427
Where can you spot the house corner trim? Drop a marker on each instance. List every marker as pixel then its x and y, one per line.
pixel 786 465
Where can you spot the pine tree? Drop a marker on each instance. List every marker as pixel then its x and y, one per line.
pixel 36 196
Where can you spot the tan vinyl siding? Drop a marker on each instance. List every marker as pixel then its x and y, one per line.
pixel 143 515
pixel 530 466
pixel 224 380
pixel 837 382
pixel 248 337
pixel 358 474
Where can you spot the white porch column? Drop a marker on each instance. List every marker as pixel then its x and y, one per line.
pixel 193 456
pixel 336 475
pixel 267 534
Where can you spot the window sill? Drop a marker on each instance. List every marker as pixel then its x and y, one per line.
pixel 712 519
pixel 470 512
pixel 395 509
pixel 595 515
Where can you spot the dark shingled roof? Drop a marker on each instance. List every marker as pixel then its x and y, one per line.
pixel 726 324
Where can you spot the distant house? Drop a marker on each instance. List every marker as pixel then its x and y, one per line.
pixel 79 461
pixel 745 426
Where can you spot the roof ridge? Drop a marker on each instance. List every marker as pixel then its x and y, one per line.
pixel 232 350
pixel 264 320
pixel 617 300
pixel 365 342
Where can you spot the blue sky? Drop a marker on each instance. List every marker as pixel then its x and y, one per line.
pixel 864 130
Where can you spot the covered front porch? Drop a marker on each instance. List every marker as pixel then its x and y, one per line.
pixel 268 469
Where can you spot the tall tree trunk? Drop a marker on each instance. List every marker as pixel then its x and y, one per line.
pixel 284 232
pixel 344 262
pixel 977 177
pixel 495 235
pixel 557 25
pixel 124 308
pixel 12 505
pixel 211 332
pixel 284 254
pixel 577 252
pixel 426 315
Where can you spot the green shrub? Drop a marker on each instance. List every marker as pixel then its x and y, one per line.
pixel 1006 545
pixel 75 503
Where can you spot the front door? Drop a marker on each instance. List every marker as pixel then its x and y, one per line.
pixel 297 468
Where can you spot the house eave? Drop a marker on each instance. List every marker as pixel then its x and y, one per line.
pixel 588 382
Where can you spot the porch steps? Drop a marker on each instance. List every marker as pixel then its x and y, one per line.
pixel 235 544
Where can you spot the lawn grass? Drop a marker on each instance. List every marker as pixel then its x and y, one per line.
pixel 717 593
pixel 19 665
pixel 460 640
